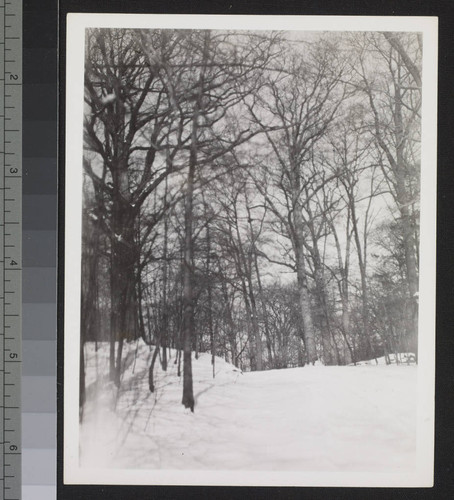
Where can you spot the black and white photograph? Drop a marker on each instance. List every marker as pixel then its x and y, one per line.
pixel 250 250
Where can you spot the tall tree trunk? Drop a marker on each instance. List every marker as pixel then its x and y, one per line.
pixel 140 297
pixel 210 299
pixel 229 318
pixel 164 333
pixel 328 348
pixel 306 317
pixel 249 320
pixel 123 263
pixel 188 272
pixel 327 342
pixel 362 271
pixel 343 287
pixel 188 303
pixel 255 324
pixel 113 317
pixel 408 225
pixel 123 306
pixel 250 316
pixel 245 273
pixel 117 379
pixel 140 313
pixel 151 369
pixel 259 285
pixel 188 276
pixel 264 311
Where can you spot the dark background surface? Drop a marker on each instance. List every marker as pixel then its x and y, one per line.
pixel 40 42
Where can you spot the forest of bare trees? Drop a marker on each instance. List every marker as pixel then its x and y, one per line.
pixel 250 194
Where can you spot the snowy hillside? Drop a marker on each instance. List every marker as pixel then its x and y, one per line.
pixel 355 418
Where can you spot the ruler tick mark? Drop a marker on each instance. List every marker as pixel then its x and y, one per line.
pixel 11 102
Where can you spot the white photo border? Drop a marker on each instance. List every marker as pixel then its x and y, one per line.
pixel 77 23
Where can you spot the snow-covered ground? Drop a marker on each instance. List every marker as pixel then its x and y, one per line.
pixel 316 418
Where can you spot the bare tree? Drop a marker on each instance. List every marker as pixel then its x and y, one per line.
pixel 394 98
pixel 303 102
pixel 123 128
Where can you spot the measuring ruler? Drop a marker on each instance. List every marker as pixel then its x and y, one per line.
pixel 11 245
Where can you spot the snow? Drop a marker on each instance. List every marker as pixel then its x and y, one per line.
pixel 107 99
pixel 316 418
pixel 402 357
